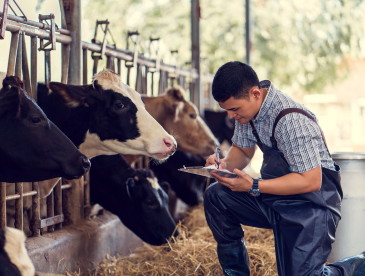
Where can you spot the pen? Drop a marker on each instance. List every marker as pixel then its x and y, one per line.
pixel 218 151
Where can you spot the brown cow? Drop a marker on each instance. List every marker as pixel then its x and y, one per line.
pixel 180 118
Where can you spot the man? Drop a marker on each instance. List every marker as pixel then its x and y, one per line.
pixel 299 195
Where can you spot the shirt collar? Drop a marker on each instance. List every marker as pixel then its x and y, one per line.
pixel 268 99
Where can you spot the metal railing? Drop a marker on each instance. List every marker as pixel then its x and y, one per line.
pixel 69 202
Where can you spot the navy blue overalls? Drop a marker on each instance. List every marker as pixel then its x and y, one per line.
pixel 304 225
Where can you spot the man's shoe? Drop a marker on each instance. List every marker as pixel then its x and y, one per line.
pixel 354 265
pixel 234 258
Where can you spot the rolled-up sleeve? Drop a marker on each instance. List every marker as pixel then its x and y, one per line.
pixel 298 139
pixel 242 136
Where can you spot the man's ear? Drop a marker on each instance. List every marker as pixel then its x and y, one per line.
pixel 10 102
pixel 71 95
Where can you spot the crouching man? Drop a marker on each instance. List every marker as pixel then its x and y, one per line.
pixel 299 195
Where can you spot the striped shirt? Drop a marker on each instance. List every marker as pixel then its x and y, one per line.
pixel 297 136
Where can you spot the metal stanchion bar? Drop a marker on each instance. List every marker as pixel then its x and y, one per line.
pixel 119 64
pixel 31 31
pixel 18 64
pixel 35 222
pixel 33 66
pixel 4 19
pixel 12 53
pixel 19 206
pixel 84 66
pixel 65 62
pixel 50 211
pixel 58 203
pixel 17 196
pixel 25 68
pixel 2 205
pixel 47 66
pixel 34 23
pixel 87 206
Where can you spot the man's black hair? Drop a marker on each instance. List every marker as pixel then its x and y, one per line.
pixel 234 79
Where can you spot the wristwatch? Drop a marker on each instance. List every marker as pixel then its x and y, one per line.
pixel 255 188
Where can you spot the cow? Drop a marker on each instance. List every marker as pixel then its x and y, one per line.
pixel 220 124
pixel 135 196
pixel 188 187
pixel 181 118
pixel 14 259
pixel 32 148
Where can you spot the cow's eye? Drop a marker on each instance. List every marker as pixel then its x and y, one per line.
pixel 119 105
pixel 35 120
pixel 192 116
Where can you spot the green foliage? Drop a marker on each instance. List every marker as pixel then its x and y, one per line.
pixel 298 44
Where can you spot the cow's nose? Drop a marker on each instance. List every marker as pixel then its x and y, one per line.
pixel 85 163
pixel 168 142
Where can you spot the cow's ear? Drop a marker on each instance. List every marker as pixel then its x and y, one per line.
pixel 10 101
pixel 176 94
pixel 71 95
pixel 133 190
pixel 14 81
pixel 165 186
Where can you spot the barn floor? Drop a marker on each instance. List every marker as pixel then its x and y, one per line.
pixel 192 253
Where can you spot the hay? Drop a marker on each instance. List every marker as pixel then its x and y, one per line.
pixel 193 252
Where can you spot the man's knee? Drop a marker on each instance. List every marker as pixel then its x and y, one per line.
pixel 214 194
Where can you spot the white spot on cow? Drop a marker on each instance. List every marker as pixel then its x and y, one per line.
pixel 15 249
pixel 154 182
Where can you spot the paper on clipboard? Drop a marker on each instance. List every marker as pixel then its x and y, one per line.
pixel 205 171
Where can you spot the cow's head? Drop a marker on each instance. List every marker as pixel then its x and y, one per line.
pixel 119 122
pixel 14 258
pixel 32 148
pixel 181 117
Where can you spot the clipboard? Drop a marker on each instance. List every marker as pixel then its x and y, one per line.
pixel 205 171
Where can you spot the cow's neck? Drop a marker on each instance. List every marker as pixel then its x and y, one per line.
pixel 155 106
pixel 73 122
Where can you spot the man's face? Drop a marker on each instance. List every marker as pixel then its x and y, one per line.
pixel 242 110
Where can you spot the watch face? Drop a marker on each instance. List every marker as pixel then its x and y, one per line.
pixel 254 193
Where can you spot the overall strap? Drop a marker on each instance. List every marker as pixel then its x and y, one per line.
pixel 285 112
pixel 255 133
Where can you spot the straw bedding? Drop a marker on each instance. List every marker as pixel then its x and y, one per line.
pixel 193 252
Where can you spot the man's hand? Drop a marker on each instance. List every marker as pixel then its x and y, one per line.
pixel 212 160
pixel 242 183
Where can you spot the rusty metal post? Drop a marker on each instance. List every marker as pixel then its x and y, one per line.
pixel 13 53
pixel 2 205
pixel 87 206
pixel 197 99
pixel 84 66
pixel 65 62
pixel 33 66
pixel 19 206
pixel 18 64
pixel 144 79
pixel 58 203
pixel 25 67
pixel 50 210
pixel 119 66
pixel 5 18
pixel 128 73
pixel 96 61
pixel 72 10
pixel 110 62
pixel 35 222
pixel 73 202
pixel 47 66
pixel 139 79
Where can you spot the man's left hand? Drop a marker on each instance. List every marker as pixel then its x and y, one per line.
pixel 242 183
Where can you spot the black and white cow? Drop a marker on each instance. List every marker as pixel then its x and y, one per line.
pixel 188 187
pixel 135 196
pixel 32 148
pixel 14 259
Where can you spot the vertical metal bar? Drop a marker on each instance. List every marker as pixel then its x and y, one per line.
pixel 25 67
pixel 65 62
pixel 87 206
pixel 119 64
pixel 50 210
pixel 33 64
pixel 110 63
pixel 58 203
pixel 145 80
pixel 73 202
pixel 128 74
pixel 66 204
pixel 19 206
pixel 12 53
pixel 18 66
pixel 139 163
pixel 35 223
pixel 146 162
pixel 152 73
pixel 47 66
pixel 96 61
pixel 5 18
pixel 2 205
pixel 73 12
pixel 84 66
pixel 139 79
pixel 195 49
pixel 247 27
